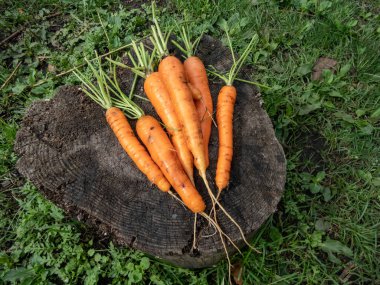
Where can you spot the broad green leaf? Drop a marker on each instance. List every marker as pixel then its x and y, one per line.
pixel 144 263
pixel 19 273
pixel 352 23
pixel 344 70
pixel 360 112
pixel 222 23
pixel 91 252
pixel 309 108
pixel 326 194
pixel 335 94
pixel 320 176
pixel 315 188
pixel 336 246
pixel 345 117
pixel 304 69
pixel 324 5
pixel 322 225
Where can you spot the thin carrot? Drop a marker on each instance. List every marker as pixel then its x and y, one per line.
pixel 121 128
pixel 197 76
pixel 224 117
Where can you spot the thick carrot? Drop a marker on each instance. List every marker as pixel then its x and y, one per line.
pixel 160 99
pixel 124 134
pixel 224 119
pixel 197 77
pixel 160 148
pixel 173 74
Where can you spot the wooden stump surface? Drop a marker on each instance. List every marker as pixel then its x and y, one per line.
pixel 69 152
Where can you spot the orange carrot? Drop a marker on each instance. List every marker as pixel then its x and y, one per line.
pixel 224 119
pixel 120 126
pixel 173 75
pixel 197 78
pixel 160 99
pixel 159 146
pixel 124 134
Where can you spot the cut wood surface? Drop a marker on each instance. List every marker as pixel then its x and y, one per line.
pixel 69 152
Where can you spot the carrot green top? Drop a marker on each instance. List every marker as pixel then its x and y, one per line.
pixel 158 38
pixel 101 91
pixel 230 76
pixel 188 47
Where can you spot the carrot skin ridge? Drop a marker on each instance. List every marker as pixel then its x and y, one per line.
pixel 159 97
pixel 160 148
pixel 224 120
pixel 173 74
pixel 136 151
pixel 197 77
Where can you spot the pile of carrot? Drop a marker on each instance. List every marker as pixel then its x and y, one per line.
pixel 180 93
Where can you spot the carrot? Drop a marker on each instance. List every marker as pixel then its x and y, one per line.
pixel 159 146
pixel 121 128
pixel 224 118
pixel 152 135
pixel 173 75
pixel 197 77
pixel 160 99
pixel 196 74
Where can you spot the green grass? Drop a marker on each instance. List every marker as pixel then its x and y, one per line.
pixel 326 228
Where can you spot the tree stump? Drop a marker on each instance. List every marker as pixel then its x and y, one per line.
pixel 69 152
